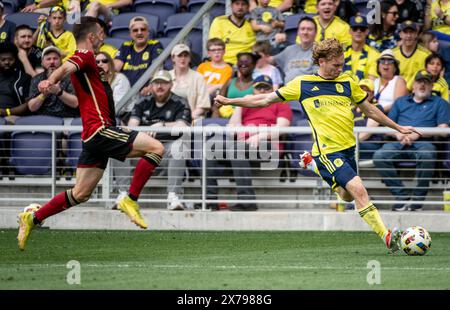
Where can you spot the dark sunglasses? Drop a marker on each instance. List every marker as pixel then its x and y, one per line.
pixel 362 29
pixel 105 61
pixel 263 87
pixel 386 61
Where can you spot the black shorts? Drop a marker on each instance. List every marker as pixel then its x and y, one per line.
pixel 109 142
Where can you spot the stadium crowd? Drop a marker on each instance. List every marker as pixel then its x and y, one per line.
pixel 404 53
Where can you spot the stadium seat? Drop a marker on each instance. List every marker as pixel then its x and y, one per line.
pixel 74 145
pixel 177 22
pixel 165 42
pixel 31 151
pixel 30 19
pixel 121 22
pixel 161 8
pixel 217 9
pixel 116 42
pixel 10 6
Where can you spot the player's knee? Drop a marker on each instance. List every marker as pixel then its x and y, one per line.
pixel 81 195
pixel 157 148
pixel 347 197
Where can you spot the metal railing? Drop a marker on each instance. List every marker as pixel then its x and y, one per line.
pixel 278 184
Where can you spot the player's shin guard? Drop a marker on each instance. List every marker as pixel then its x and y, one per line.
pixel 58 204
pixel 143 172
pixel 372 217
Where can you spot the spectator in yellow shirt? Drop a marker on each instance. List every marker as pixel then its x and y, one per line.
pixel 360 58
pixel 410 54
pixel 234 30
pixel 329 25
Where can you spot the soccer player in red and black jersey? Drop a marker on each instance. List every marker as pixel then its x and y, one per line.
pixel 101 138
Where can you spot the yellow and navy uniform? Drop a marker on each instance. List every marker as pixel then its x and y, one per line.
pixel 362 64
pixel 410 65
pixel 440 88
pixel 136 63
pixel 65 42
pixel 328 106
pixel 338 29
pixel 238 39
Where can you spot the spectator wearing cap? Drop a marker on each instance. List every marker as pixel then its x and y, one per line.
pixel 389 85
pixel 163 108
pixel 55 35
pixel 437 16
pixel 420 109
pixel 382 35
pixel 239 86
pixel 60 100
pixel 7 28
pixel 277 115
pixel 14 84
pixel 189 84
pixel 29 55
pixel 329 25
pixel 410 54
pixel 235 30
pixel 360 58
pixel 296 59
pixel 136 56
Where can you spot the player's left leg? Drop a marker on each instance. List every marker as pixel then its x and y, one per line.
pixel 369 213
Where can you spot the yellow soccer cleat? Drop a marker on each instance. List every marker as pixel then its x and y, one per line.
pixel 26 225
pixel 131 209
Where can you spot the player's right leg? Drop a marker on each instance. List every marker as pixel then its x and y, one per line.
pixel 151 151
pixel 86 181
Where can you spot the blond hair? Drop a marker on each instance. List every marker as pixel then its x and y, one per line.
pixel 328 49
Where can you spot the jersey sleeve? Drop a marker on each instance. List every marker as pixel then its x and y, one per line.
pixel 358 95
pixel 83 59
pixel 291 91
pixel 157 50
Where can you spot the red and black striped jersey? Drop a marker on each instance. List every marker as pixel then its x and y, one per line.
pixel 95 98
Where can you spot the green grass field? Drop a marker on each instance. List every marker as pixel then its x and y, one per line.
pixel 216 260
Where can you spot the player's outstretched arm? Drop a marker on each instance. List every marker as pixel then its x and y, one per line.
pixel 249 101
pixel 56 76
pixel 374 113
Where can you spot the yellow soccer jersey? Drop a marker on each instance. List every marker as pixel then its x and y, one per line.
pixel 338 29
pixel 440 88
pixel 362 64
pixel 310 6
pixel 65 42
pixel 275 3
pixel 328 106
pixel 436 23
pixel 237 39
pixel 410 65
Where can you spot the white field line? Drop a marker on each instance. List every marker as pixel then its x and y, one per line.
pixel 223 267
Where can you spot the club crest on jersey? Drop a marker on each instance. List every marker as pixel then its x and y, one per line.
pixel 145 56
pixel 338 162
pixel 339 88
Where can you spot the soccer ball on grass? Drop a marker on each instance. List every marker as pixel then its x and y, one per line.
pixel 416 241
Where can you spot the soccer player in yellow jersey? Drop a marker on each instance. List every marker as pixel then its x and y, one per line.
pixel 410 54
pixel 327 98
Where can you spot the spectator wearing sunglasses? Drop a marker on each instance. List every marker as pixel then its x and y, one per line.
pixel 410 54
pixel 274 115
pixel 360 58
pixel 390 85
pixel 136 56
pixel 381 35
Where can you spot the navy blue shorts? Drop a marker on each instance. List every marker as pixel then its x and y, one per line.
pixel 337 168
pixel 109 142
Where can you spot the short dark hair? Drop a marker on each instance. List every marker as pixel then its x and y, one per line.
pixel 308 19
pixel 22 27
pixel 86 25
pixel 215 41
pixel 432 57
